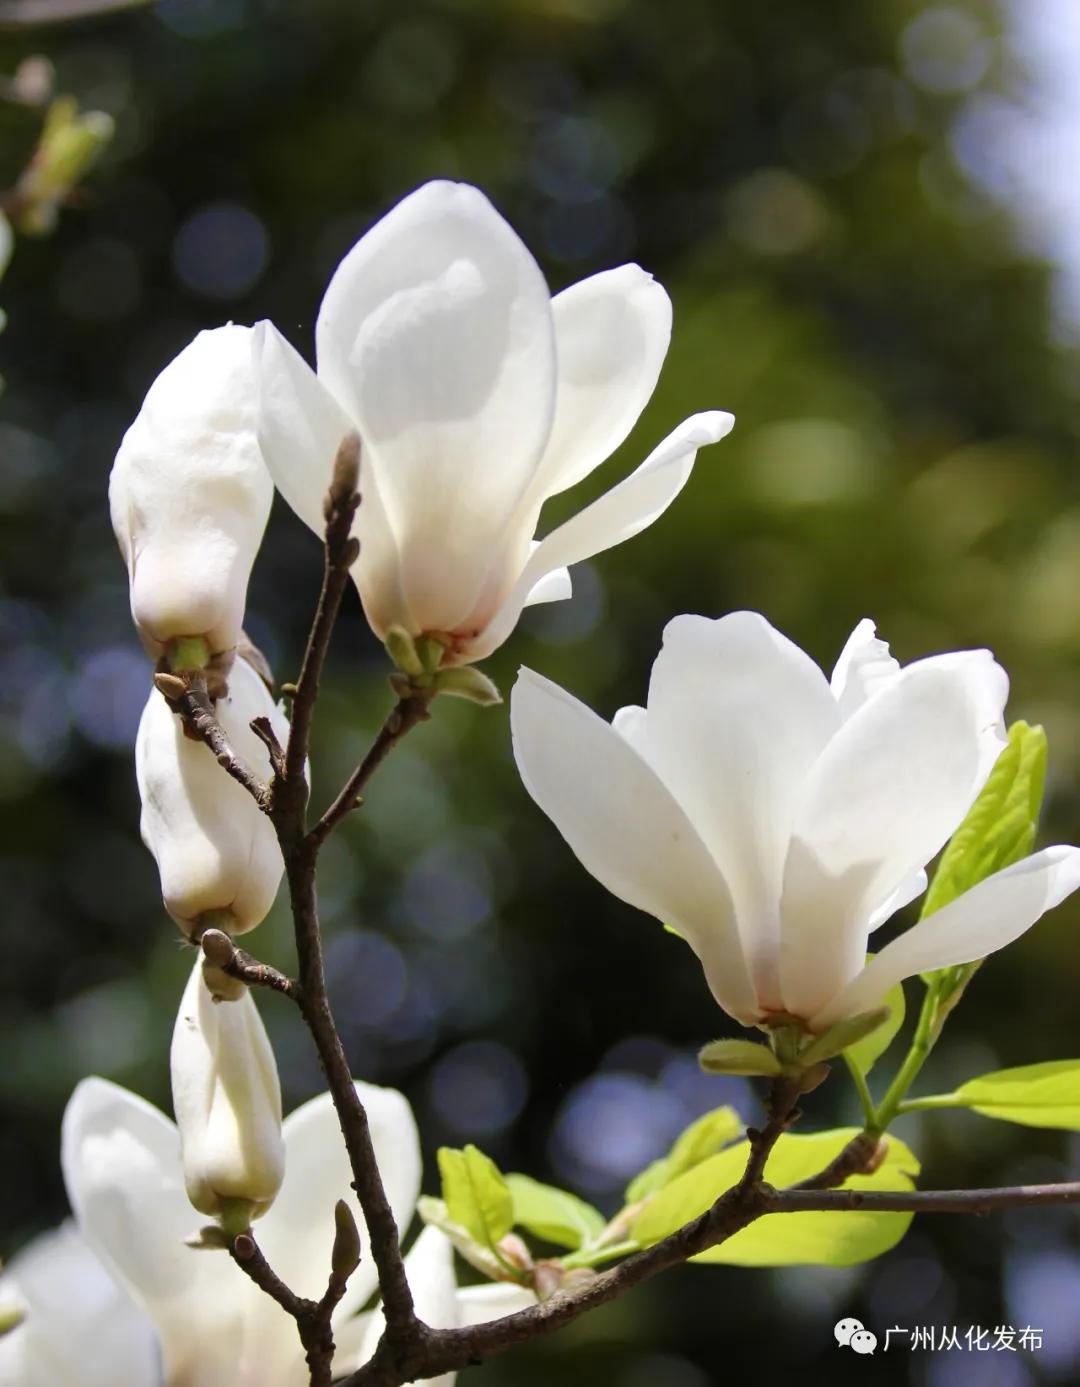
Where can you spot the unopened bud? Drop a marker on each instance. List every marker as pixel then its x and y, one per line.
pixel 190 495
pixel 515 1251
pixel 346 1254
pixel 345 478
pixel 227 1100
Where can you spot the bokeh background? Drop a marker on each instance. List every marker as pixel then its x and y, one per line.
pixel 863 215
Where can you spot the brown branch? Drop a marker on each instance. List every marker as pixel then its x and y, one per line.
pixel 979 1201
pixel 288 811
pixel 410 710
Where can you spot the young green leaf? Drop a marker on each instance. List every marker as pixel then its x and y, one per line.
pixel 828 1239
pixel 1000 826
pixel 865 1053
pixel 434 1211
pixel 843 1034
pixel 477 1197
pixel 1032 1095
pixel 738 1057
pixel 555 1215
pixel 700 1140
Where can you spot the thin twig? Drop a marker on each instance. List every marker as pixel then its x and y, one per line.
pixel 408 712
pixel 248 1256
pixel 312 1316
pixel 342 550
pixel 223 954
pixel 186 691
pixel 980 1201
pixel 862 1153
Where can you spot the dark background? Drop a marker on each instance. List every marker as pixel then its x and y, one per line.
pixel 798 176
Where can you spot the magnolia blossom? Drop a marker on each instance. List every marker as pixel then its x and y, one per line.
pixel 190 496
pixel 476 397
pixel 774 819
pixel 79 1326
pixel 125 1179
pixel 216 851
pixel 227 1100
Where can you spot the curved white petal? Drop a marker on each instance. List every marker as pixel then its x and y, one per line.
pixel 215 849
pixel 436 335
pixel 737 716
pixel 552 587
pixel 493 1300
pixel 982 920
pixel 913 885
pixel 297 1234
pixel 121 1163
pixel 301 426
pixel 626 828
pixel 864 668
pixel 618 515
pixel 190 495
pixel 227 1100
pixel 885 795
pixel 80 1326
pixel 611 336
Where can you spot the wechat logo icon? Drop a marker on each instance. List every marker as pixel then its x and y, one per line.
pixel 850 1333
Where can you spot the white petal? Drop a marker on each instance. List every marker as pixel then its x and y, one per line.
pixel 190 495
pixel 625 828
pixel 976 924
pixel 429 1267
pixel 912 886
pixel 611 336
pixel 864 668
pixel 297 1234
pixel 227 1100
pixel 70 1301
pixel 301 426
pixel 121 1162
pixel 618 515
pixel 436 335
pixel 493 1300
pixel 215 849
pixel 552 587
pixel 885 795
pixel 737 716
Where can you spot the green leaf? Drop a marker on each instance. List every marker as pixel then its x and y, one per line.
pixel 830 1239
pixel 477 1197
pixel 865 1053
pixel 700 1140
pixel 1033 1095
pixel 434 1211
pixel 555 1215
pixel 1000 826
pixel 738 1057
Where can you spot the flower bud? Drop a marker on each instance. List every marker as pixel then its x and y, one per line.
pixel 227 1100
pixel 216 851
pixel 189 495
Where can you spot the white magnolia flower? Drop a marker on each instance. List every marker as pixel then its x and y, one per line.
pixel 775 821
pixel 227 1100
pixel 190 496
pixel 216 851
pixel 215 1328
pixel 80 1329
pixel 476 397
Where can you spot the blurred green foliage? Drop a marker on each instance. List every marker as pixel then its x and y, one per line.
pixel 905 449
